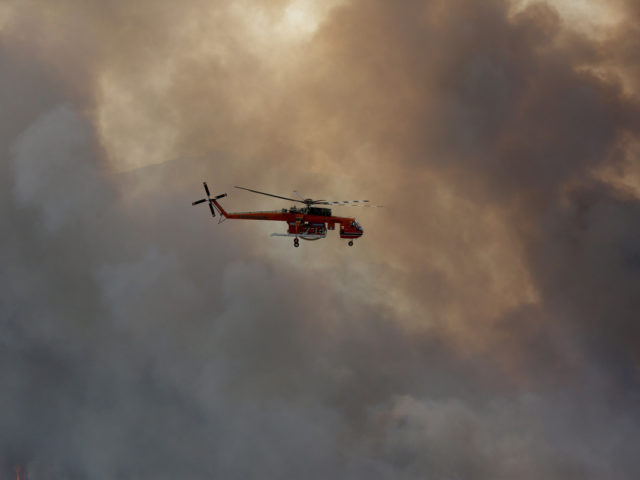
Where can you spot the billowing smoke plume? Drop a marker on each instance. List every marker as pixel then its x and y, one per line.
pixel 486 325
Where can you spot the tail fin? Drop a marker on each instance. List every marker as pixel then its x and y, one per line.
pixel 221 210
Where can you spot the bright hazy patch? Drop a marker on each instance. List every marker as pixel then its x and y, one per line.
pixel 587 15
pixel 135 108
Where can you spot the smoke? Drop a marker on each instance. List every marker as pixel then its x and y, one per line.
pixel 484 326
pixel 51 170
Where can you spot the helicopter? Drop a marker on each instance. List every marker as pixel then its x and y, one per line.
pixel 307 223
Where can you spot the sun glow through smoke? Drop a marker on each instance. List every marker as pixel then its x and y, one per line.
pixel 589 16
pixel 131 102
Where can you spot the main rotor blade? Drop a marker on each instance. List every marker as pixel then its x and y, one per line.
pixel 199 201
pixel 342 202
pixel 206 189
pixel 271 195
pixel 299 196
pixel 213 212
pixel 365 206
pixel 351 203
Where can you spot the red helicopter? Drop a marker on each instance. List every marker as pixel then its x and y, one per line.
pixel 308 222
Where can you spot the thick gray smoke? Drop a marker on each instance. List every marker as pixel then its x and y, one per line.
pixel 486 325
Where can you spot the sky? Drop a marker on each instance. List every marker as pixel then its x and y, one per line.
pixel 484 327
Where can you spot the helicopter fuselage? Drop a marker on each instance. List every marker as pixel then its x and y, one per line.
pixel 308 223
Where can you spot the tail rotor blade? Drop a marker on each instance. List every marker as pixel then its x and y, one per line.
pixel 213 205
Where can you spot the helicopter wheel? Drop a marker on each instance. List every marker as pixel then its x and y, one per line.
pixel 296 243
pixel 351 243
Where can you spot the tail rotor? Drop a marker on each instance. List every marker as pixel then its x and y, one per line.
pixel 209 199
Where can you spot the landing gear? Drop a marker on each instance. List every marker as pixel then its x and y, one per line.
pixel 351 243
pixel 296 243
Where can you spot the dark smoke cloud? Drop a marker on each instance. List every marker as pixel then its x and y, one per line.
pixel 484 327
